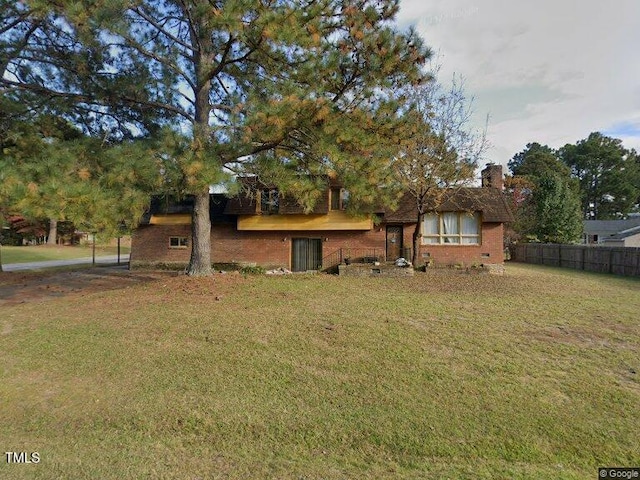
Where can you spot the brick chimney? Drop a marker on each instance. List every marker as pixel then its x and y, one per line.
pixel 492 176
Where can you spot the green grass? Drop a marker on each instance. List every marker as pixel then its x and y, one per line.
pixel 530 375
pixel 39 253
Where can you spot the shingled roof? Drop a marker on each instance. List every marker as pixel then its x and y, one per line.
pixel 489 201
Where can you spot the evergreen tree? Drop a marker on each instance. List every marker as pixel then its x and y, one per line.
pixel 545 198
pixel 287 87
pixel 557 210
pixel 536 160
pixel 609 176
pixel 49 170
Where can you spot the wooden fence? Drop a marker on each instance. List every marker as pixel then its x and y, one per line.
pixel 616 260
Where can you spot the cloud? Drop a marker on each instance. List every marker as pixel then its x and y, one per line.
pixel 545 71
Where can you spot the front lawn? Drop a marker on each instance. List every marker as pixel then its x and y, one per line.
pixel 530 375
pixel 40 253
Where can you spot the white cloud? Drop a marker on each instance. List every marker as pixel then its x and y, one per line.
pixel 546 71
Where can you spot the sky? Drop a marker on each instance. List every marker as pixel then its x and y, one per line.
pixel 546 71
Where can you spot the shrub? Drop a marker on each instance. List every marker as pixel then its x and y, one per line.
pixel 253 270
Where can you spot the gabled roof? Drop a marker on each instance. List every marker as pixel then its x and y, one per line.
pixel 629 232
pixel 489 201
pixel 609 227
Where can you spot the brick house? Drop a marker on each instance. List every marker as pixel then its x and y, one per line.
pixel 273 231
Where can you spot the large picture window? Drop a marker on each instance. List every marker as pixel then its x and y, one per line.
pixel 451 228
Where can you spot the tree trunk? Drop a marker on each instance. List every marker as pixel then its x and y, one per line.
pixel 52 239
pixel 200 263
pixel 416 241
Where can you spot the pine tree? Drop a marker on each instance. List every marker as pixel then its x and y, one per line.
pixel 49 170
pixel 609 176
pixel 545 197
pixel 288 86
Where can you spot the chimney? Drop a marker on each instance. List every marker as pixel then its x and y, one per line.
pixel 492 176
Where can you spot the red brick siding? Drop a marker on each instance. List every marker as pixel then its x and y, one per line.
pixel 272 249
pixel 150 243
pixel 491 243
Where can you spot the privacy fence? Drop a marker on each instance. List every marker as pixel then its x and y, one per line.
pixel 616 260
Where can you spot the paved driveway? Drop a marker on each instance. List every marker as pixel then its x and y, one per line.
pixel 14 267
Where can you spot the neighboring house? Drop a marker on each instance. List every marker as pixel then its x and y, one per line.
pixel 613 233
pixel 273 231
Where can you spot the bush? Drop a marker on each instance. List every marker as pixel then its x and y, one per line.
pixel 253 270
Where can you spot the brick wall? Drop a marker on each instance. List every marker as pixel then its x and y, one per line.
pixel 150 244
pixel 272 249
pixel 490 251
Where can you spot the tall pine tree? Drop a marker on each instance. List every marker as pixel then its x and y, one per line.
pixel 609 176
pixel 293 86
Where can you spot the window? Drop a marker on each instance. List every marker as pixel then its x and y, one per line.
pixel 339 198
pixel 178 242
pixel 269 201
pixel 451 228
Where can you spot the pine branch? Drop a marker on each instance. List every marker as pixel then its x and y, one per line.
pixel 92 100
pixel 152 21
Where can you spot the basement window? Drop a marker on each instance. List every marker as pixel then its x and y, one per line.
pixel 178 242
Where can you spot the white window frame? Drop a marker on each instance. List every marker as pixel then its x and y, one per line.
pixel 181 242
pixel 457 238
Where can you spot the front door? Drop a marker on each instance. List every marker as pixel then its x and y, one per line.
pixel 394 242
pixel 306 254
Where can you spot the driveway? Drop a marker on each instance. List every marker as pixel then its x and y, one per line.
pixel 34 286
pixel 108 259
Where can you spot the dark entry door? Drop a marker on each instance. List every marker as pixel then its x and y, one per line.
pixel 306 254
pixel 394 242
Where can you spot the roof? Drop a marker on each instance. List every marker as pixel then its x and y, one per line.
pixel 629 232
pixel 489 201
pixel 166 205
pixel 609 227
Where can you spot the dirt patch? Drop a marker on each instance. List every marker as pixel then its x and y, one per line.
pixel 25 287
pixel 581 336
